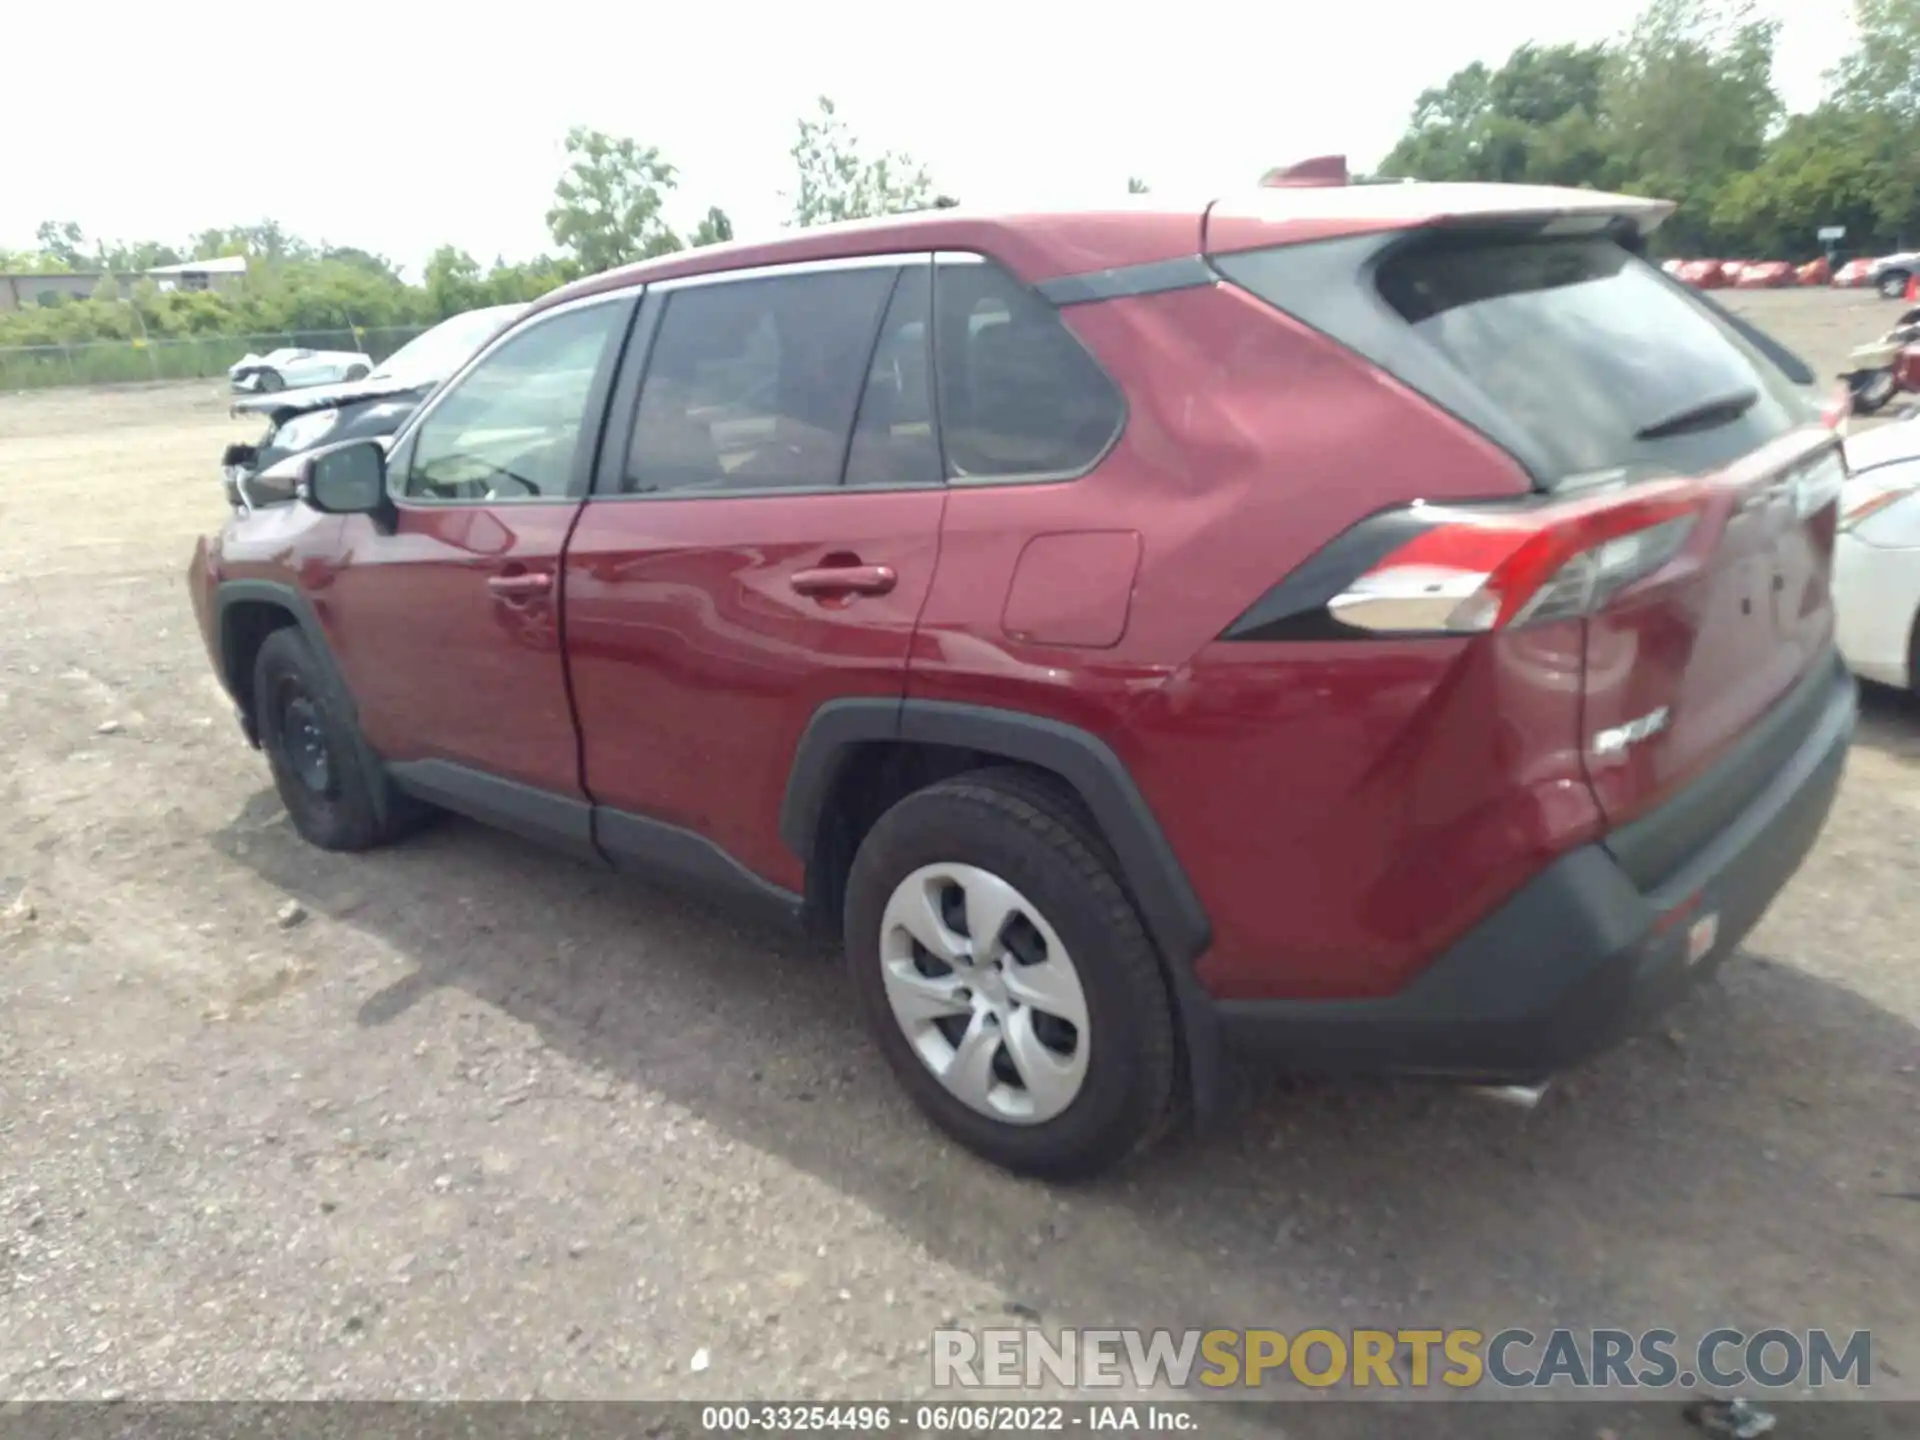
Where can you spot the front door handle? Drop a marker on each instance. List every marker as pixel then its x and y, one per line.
pixel 845 580
pixel 522 586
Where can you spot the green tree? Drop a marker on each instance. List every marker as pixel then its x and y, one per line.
pixel 1689 104
pixel 28 262
pixel 607 206
pixel 1534 120
pixel 60 242
pixel 1136 186
pixel 528 280
pixel 263 240
pixel 1878 83
pixel 714 228
pixel 1834 166
pixel 361 260
pixel 453 282
pixel 1882 71
pixel 835 182
pixel 124 257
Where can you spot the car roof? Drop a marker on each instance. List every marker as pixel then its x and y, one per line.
pixel 1036 246
pixel 1044 245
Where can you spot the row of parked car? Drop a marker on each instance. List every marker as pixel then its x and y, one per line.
pixel 1889 274
pixel 1389 627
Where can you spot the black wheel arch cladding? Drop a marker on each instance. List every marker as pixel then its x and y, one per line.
pixel 1151 872
pixel 233 598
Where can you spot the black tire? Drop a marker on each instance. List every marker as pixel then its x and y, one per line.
pixel 1892 285
pixel 356 372
pixel 1024 831
pixel 271 382
pixel 343 802
pixel 1873 392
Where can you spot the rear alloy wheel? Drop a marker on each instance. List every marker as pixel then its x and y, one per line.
pixel 1007 978
pixel 356 372
pixel 1893 285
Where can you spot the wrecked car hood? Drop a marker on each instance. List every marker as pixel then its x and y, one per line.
pixel 283 405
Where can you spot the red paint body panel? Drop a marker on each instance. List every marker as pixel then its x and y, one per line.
pixel 696 666
pixel 1359 806
pixel 439 666
pixel 1342 810
pixel 1906 368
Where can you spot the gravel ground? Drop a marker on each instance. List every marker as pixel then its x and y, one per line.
pixel 464 1119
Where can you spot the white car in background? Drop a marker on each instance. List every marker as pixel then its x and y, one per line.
pixel 1876 561
pixel 294 369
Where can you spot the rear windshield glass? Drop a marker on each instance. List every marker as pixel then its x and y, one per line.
pixel 1577 357
pixel 1594 355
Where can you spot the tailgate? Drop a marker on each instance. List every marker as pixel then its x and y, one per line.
pixel 1683 665
pixel 1607 379
pixel 1682 479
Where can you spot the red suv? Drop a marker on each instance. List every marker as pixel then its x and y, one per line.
pixel 1383 625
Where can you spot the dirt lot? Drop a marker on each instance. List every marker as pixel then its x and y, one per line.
pixel 489 1124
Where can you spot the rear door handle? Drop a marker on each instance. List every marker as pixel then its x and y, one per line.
pixel 845 580
pixel 522 586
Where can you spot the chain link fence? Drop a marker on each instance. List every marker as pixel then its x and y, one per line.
pixel 189 357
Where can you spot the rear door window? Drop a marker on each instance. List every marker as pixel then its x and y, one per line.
pixel 754 384
pixel 1020 397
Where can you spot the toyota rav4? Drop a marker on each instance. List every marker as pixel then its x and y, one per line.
pixel 1383 626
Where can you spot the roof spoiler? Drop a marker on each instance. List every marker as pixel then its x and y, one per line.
pixel 1320 170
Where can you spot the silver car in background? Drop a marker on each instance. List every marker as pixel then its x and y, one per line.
pixel 295 369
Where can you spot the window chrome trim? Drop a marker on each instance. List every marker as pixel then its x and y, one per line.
pixel 631 295
pixel 744 492
pixel 888 260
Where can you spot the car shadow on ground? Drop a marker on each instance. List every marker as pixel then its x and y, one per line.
pixel 1890 721
pixel 1693 1177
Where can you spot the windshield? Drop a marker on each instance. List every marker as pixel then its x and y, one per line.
pixel 440 351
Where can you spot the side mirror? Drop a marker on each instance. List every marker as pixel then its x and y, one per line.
pixel 349 479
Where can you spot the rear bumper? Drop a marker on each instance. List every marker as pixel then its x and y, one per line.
pixel 1582 954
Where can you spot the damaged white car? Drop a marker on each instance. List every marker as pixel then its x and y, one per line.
pixel 294 369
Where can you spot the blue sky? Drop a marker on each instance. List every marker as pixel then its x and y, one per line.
pixel 396 127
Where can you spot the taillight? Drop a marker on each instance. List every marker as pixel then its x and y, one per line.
pixel 1433 569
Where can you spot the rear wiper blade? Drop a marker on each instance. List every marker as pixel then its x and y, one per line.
pixel 1720 410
